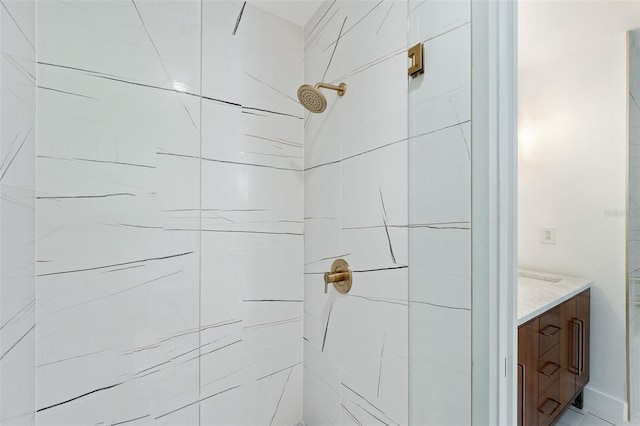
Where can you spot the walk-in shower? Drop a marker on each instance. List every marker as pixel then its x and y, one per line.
pixel 183 236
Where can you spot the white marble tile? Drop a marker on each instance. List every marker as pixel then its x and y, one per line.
pixel 272 87
pixel 121 136
pixel 17 212
pixel 355 184
pixel 441 168
pixel 450 57
pixel 330 20
pixel 224 50
pixel 358 409
pixel 443 111
pixel 322 387
pixel 372 31
pixel 367 100
pixel 273 33
pixel 442 274
pixel 322 145
pixel 118 187
pixel 380 134
pixel 439 215
pixel 374 188
pixel 272 140
pixel 270 378
pixel 322 212
pixel 248 187
pixel 18 377
pixel 271 322
pixel 252 217
pixel 321 405
pixel 429 19
pixel 133 41
pixel 313 25
pixel 440 354
pixel 376 248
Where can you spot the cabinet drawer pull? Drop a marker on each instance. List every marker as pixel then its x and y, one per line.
pixel 577 366
pixel 546 407
pixel 581 347
pixel 550 330
pixel 549 369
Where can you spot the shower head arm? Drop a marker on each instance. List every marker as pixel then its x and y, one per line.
pixel 341 89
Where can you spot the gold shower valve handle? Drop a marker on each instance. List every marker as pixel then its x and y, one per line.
pixel 340 276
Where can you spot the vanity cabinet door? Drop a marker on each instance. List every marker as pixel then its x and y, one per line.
pixel 528 358
pixel 582 345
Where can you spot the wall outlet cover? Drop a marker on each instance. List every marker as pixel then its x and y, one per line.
pixel 548 235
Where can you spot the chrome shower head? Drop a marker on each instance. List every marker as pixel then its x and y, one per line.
pixel 312 98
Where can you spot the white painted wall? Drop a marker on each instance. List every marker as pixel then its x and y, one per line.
pixel 572 161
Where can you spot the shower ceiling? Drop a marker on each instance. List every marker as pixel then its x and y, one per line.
pixel 296 11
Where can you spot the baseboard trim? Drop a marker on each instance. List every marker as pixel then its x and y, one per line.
pixel 608 406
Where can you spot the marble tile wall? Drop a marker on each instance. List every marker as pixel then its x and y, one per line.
pixel 355 345
pixel 252 217
pixel 169 214
pixel 118 212
pixel 361 204
pixel 17 211
pixel 171 173
pixel 440 215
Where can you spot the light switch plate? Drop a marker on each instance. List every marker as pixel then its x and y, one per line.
pixel 548 235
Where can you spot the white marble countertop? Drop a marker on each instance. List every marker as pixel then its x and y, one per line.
pixel 540 291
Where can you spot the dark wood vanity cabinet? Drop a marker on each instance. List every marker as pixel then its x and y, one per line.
pixel 553 361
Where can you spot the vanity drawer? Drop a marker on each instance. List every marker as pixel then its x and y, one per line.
pixel 549 405
pixel 550 327
pixel 549 369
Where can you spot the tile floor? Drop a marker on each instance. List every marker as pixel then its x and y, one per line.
pixel 576 417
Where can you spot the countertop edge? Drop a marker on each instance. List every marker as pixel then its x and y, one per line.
pixel 553 304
